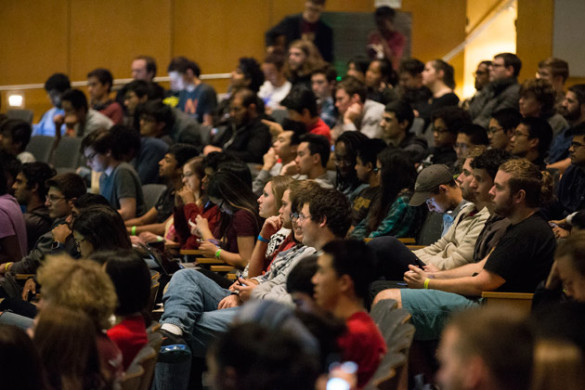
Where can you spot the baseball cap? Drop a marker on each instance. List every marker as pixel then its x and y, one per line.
pixel 427 181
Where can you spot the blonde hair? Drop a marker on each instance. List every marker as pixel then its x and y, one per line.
pixel 79 285
pixel 313 59
pixel 279 185
pixel 558 365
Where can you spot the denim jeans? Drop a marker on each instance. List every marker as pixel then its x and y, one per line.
pixel 191 303
pixel 8 318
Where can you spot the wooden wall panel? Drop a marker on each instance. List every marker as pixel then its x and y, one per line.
pixel 534 29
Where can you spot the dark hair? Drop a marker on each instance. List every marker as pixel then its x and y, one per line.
pixel 398 173
pixel 573 248
pixel 454 117
pixel 557 67
pixel 37 174
pixel 131 279
pixel 331 206
pixel 125 142
pixel 17 129
pixel 277 58
pixel 101 141
pixel 264 359
pixel 59 82
pixel 300 98
pixel 329 72
pixel 543 92
pixel 508 118
pixel 104 76
pixel 17 351
pixel 355 259
pixel 230 188
pixel 214 159
pixel 299 278
pixel 251 70
pixel 150 63
pixel 388 73
pixel 360 62
pixel 102 227
pixel 183 153
pixel 139 87
pixel 318 144
pixel 9 167
pixel 539 128
pixel 298 129
pixel 89 199
pixel 353 86
pixel 70 184
pixel 160 111
pixel 403 112
pixel 485 62
pixel 579 91
pixel 578 219
pixel 448 72
pixel 490 160
pixel 370 149
pixel 185 64
pixel 76 98
pixel 239 168
pixel 176 64
pixel 385 12
pixel 511 60
pixel 353 141
pixel 411 66
pixel 249 97
pixel 476 133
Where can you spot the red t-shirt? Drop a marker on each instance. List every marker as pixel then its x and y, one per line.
pixel 320 128
pixel 363 344
pixel 243 224
pixel 210 213
pixel 130 336
pixel 115 112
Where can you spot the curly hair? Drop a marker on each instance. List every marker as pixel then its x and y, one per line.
pixel 542 91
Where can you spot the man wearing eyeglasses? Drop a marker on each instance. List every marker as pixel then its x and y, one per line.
pixel 571 189
pixel 531 140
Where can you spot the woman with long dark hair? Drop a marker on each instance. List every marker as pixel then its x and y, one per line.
pixel 233 239
pixel 390 215
pixel 346 148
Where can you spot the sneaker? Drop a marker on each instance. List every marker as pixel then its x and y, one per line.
pixel 174 348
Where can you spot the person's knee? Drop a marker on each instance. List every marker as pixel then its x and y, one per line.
pixel 389 294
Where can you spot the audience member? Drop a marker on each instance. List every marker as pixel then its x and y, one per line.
pixel 312 157
pixel 380 79
pixel 447 122
pixel 341 286
pixel 481 79
pixel 136 92
pixel 282 153
pixel 520 260
pixel 99 86
pixel 156 121
pixel 303 60
pixel 14 137
pixel 502 91
pixel 390 214
pixel 13 242
pixel 501 128
pixel 396 124
pixel 556 72
pixel 119 182
pixel 245 137
pixel 357 67
pixel 306 26
pixel 557 364
pixel 531 140
pixel 301 104
pixel 345 153
pixel 55 86
pixel 79 119
pixel 571 188
pixel 356 112
pixel 323 83
pixel 488 348
pixel 154 222
pixel 411 88
pixel 143 68
pixel 386 42
pixel 439 77
pixel 367 172
pixel 30 190
pixel 537 100
pixel 470 136
pixel 573 109
pixel 17 351
pixel 276 86
pixel 196 98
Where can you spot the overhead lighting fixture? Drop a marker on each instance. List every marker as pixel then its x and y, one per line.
pixel 16 100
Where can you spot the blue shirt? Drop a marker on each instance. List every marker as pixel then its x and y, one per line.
pixel 46 126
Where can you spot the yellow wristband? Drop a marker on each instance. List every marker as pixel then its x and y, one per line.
pixel 426 283
pixel 6 266
pixel 133 230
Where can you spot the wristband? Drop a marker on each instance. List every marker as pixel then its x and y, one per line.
pixel 262 239
pixel 218 254
pixel 6 266
pixel 133 230
pixel 426 283
pixel 159 238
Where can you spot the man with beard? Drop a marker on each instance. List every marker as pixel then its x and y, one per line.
pixel 571 189
pixel 531 140
pixel 573 109
pixel 521 259
pixel 246 137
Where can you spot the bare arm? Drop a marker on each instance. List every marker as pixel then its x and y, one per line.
pixel 127 208
pixel 147 218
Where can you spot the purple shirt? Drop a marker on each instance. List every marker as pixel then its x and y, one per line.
pixel 12 222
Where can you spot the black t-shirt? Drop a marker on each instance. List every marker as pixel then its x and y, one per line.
pixel 524 255
pixel 165 204
pixel 363 202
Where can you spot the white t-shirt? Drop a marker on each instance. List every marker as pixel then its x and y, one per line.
pixel 273 96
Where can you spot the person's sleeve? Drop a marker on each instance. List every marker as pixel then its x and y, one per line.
pixel 258 144
pixel 208 101
pixel 260 181
pixel 245 224
pixel 125 185
pixel 395 214
pixel 463 253
pixel 271 35
pixel 359 232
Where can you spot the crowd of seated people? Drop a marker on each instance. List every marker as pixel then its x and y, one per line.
pixel 308 186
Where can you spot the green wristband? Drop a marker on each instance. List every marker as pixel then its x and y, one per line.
pixel 218 254
pixel 133 230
